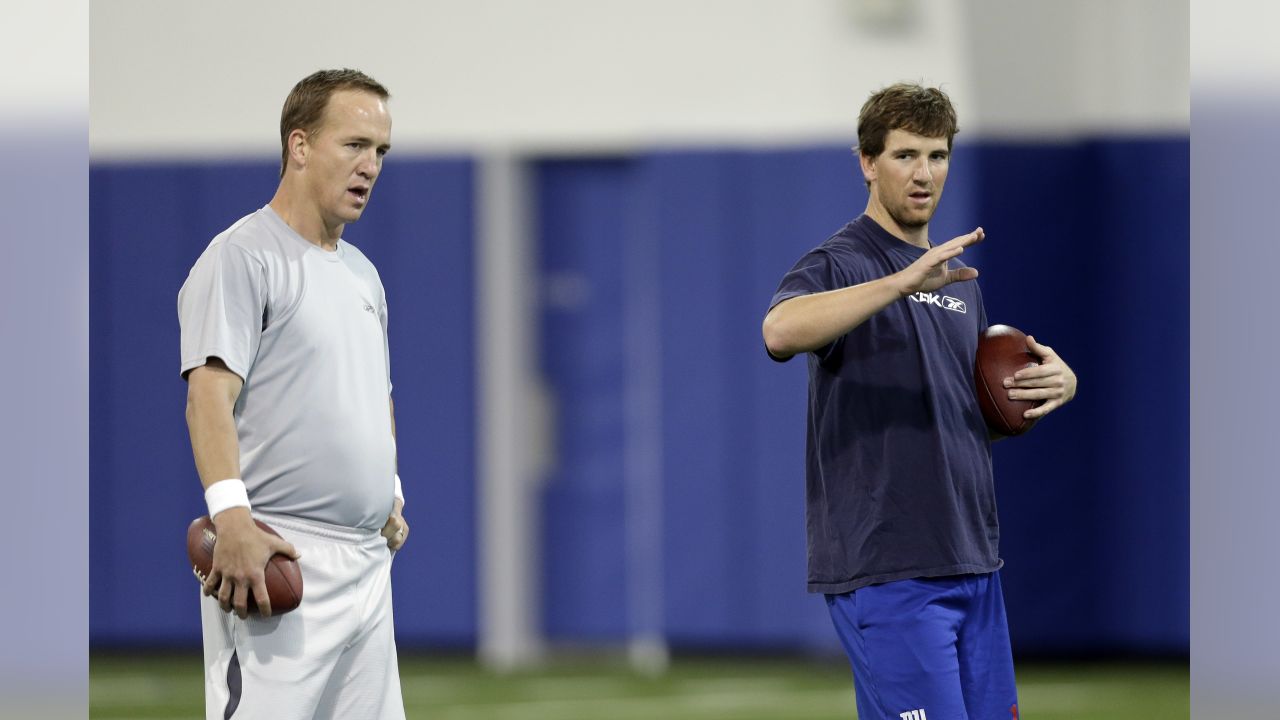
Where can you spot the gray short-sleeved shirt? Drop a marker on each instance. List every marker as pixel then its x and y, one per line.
pixel 306 329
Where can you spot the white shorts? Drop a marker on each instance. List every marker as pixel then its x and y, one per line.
pixel 332 657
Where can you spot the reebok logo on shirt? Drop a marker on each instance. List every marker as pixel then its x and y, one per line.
pixel 945 302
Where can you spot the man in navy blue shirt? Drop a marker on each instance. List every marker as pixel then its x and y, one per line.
pixel 901 514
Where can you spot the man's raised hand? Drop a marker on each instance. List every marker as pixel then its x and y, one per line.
pixel 930 271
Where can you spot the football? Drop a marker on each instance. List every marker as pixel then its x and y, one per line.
pixel 283 576
pixel 1002 351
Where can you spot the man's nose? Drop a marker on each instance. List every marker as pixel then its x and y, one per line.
pixel 369 165
pixel 922 171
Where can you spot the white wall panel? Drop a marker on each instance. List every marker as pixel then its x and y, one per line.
pixel 199 79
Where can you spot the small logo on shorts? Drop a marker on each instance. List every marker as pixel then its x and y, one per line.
pixel 368 308
pixel 913 715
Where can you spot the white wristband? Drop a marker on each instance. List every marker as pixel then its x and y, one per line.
pixel 399 491
pixel 226 494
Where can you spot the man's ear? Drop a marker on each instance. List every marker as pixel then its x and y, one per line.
pixel 868 167
pixel 298 147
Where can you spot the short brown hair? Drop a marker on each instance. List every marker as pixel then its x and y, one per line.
pixel 304 108
pixel 903 106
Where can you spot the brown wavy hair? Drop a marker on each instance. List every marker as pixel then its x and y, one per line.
pixel 304 108
pixel 904 106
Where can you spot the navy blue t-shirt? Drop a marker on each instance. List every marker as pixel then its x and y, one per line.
pixel 898 460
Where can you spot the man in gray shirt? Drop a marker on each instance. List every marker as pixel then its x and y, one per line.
pixel 284 348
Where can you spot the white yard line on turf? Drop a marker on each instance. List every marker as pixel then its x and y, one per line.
pixel 1061 696
pixel 745 704
pixel 444 691
pixel 737 684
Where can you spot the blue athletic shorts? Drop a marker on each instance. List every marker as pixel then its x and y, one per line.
pixel 929 649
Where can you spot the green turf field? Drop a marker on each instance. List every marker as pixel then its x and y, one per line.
pixel 169 686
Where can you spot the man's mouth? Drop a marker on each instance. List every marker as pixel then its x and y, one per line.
pixel 360 192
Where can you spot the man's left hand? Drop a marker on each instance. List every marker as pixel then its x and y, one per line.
pixel 396 531
pixel 1051 381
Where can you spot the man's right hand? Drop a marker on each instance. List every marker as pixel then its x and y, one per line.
pixel 239 562
pixel 930 271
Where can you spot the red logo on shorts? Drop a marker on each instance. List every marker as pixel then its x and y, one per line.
pixel 1013 710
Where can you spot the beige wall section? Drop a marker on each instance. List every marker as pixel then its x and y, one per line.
pixel 1054 68
pixel 199 78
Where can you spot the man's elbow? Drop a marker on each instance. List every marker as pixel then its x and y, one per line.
pixel 776 338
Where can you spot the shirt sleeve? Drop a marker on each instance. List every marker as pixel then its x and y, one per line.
pixel 815 272
pixel 221 307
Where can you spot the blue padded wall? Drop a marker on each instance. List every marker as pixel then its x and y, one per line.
pixel 655 270
pixel 1087 248
pixel 148 224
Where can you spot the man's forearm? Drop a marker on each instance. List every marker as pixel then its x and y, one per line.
pixel 214 444
pixel 211 424
pixel 809 322
pixel 392 405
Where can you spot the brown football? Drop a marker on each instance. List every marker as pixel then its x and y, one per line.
pixel 284 577
pixel 1002 351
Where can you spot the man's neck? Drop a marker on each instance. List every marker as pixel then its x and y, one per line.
pixel 918 236
pixel 304 217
